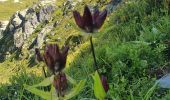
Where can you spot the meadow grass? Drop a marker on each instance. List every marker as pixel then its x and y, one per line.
pixel 8 8
pixel 128 47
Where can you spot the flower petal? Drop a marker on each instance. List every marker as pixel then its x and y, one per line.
pixel 104 83
pixel 55 59
pixel 53 51
pixel 78 19
pixel 100 19
pixel 60 83
pixel 65 50
pixel 88 21
pixel 49 61
pixel 95 14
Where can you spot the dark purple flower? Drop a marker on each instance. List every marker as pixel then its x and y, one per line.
pixel 60 83
pixel 54 58
pixel 90 22
pixel 104 83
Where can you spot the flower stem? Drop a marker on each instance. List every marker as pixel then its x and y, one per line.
pixel 93 53
pixel 43 68
pixel 59 90
pixel 45 75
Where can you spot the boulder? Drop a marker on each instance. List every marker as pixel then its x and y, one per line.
pixel 3 25
pixel 16 22
pixel 42 35
pixel 23 23
pixel 18 38
pixel 45 13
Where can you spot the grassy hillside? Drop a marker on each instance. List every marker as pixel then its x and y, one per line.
pixel 8 8
pixel 131 51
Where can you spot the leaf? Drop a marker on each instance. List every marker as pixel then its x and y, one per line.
pixel 98 87
pixel 149 93
pixel 41 93
pixel 54 94
pixel 75 90
pixel 46 82
pixel 164 82
pixel 71 80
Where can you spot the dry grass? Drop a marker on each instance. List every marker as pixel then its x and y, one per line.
pixel 9 7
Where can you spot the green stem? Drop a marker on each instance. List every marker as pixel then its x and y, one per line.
pixel 93 53
pixel 43 68
pixel 45 75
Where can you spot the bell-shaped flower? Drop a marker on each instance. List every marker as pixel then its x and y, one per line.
pixel 54 58
pixel 104 82
pixel 90 22
pixel 60 83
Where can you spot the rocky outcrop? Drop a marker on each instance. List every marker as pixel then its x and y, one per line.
pixel 23 23
pixel 40 38
pixel 3 25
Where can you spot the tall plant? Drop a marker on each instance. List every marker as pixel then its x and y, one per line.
pixel 91 22
pixel 55 59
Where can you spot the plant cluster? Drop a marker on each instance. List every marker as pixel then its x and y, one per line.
pixel 127 57
pixel 55 59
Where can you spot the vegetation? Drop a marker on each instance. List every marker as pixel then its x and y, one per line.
pixel 8 8
pixel 131 48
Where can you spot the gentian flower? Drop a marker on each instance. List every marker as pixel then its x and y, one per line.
pixel 90 22
pixel 104 82
pixel 60 83
pixel 54 58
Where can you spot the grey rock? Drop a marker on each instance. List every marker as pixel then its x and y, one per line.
pixel 18 38
pixel 22 14
pixel 28 29
pixel 45 13
pixel 1 34
pixel 16 20
pixel 42 35
pixel 23 23
pixel 10 28
pixel 3 25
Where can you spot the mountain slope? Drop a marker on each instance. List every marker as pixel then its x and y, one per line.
pixel 129 48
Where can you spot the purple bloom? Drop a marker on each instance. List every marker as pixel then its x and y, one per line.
pixel 60 83
pixel 90 22
pixel 54 58
pixel 104 83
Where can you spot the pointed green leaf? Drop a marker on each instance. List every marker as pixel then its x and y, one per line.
pixel 46 82
pixel 71 80
pixel 41 93
pixel 54 93
pixel 150 92
pixel 75 90
pixel 98 87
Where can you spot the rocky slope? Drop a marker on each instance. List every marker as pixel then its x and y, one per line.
pixel 28 28
pixel 130 49
pixel 23 24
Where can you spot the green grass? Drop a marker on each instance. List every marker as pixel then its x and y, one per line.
pixel 9 7
pixel 128 47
